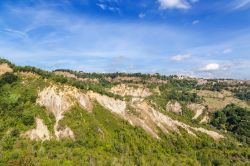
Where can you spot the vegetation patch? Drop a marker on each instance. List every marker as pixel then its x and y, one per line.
pixel 234 119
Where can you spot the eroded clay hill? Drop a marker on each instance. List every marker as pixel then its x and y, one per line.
pixel 138 111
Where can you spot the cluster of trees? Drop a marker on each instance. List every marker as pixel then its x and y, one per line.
pixel 234 119
pixel 213 85
pixel 113 75
pixel 182 83
pixel 183 96
pixel 243 94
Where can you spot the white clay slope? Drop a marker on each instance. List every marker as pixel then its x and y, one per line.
pixel 147 117
pixel 41 131
pixel 59 100
pixel 197 109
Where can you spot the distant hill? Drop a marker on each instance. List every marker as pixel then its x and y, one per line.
pixel 67 117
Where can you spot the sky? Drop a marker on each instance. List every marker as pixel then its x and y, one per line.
pixel 198 38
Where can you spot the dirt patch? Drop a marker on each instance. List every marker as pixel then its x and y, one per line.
pixel 4 68
pixel 174 106
pixel 41 131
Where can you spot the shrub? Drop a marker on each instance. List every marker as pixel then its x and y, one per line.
pixel 9 78
pixel 28 119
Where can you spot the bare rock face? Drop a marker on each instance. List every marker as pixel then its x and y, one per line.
pixel 4 68
pixel 197 109
pixel 115 106
pixel 125 90
pixel 58 100
pixel 41 131
pixel 174 106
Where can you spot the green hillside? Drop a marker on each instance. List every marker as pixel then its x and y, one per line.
pixel 104 137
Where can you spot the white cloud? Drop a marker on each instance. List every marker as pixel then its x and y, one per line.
pixel 179 4
pixel 15 33
pixel 241 4
pixel 196 22
pixel 141 15
pixel 211 67
pixel 180 57
pixel 107 7
pixel 102 6
pixel 227 51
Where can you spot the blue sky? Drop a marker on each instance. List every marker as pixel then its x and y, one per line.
pixel 201 38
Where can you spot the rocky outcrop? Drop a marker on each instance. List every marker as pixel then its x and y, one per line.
pixel 174 106
pixel 125 90
pixel 41 131
pixel 58 100
pixel 4 68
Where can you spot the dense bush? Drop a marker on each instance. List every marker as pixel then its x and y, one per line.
pixel 184 83
pixel 243 94
pixel 234 119
pixel 9 78
pixel 28 119
pixel 183 96
pixel 213 85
